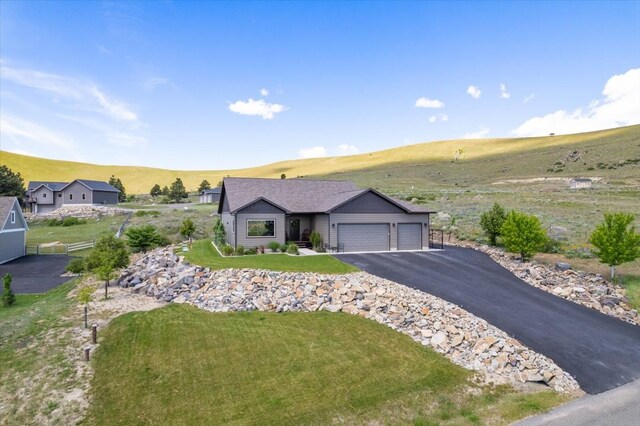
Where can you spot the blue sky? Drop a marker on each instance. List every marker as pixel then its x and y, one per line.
pixel 204 85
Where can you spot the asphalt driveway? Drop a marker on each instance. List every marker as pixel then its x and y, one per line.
pixel 600 351
pixel 36 274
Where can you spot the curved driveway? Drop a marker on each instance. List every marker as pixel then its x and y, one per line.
pixel 600 351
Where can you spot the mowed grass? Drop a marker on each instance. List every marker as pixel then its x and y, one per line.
pixel 181 365
pixel 40 233
pixel 493 158
pixel 204 254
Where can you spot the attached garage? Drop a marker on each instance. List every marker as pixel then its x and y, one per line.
pixel 409 236
pixel 363 237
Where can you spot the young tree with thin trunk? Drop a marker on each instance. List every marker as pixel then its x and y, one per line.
pixel 616 240
pixel 491 222
pixel 109 255
pixel 187 229
pixel 523 234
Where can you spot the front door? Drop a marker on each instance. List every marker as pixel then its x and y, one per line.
pixel 294 229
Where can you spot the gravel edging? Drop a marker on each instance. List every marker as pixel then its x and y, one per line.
pixel 463 338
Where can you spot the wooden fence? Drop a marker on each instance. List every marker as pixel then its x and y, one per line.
pixel 60 248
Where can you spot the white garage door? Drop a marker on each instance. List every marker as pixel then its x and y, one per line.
pixel 363 237
pixel 409 236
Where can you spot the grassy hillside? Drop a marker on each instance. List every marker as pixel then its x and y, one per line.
pixel 482 161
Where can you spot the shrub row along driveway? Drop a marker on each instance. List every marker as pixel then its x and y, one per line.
pixel 601 352
pixel 36 274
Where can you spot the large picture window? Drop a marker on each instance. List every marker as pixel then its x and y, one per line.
pixel 261 228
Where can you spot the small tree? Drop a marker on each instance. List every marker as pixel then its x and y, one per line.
pixel 177 191
pixel 616 240
pixel 11 184
pixel 155 191
pixel 8 298
pixel 219 233
pixel 85 295
pixel 143 238
pixel 283 176
pixel 523 234
pixel 108 255
pixel 204 185
pixel 165 190
pixel 491 222
pixel 187 229
pixel 117 183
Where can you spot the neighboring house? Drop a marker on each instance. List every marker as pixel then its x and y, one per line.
pixel 210 195
pixel 13 230
pixel 580 183
pixel 257 211
pixel 43 197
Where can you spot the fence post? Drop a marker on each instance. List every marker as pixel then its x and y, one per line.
pixel 37 248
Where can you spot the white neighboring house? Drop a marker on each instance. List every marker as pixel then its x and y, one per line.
pixel 580 183
pixel 13 230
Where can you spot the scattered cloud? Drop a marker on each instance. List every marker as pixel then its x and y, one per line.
pixel 441 117
pixel 474 91
pixel 429 103
pixel 504 93
pixel 313 152
pixel 18 130
pixel 257 107
pixel 620 106
pixel 150 83
pixel 264 92
pixel 85 95
pixel 119 136
pixel 345 149
pixel 528 98
pixel 478 134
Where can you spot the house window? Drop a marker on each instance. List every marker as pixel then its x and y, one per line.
pixel 60 195
pixel 71 196
pixel 83 196
pixel 261 228
pixel 44 195
pixel 13 217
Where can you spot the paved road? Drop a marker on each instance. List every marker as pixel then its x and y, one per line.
pixel 600 351
pixel 36 274
pixel 617 407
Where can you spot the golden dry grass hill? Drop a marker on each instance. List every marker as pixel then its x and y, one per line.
pixel 606 153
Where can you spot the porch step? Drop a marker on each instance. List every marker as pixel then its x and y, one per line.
pixel 301 244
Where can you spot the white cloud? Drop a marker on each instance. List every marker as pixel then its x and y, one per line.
pixel 86 95
pixel 619 107
pixel 429 103
pixel 477 135
pixel 504 93
pixel 345 149
pixel 444 117
pixel 528 98
pixel 313 152
pixel 433 119
pixel 257 107
pixel 474 91
pixel 264 92
pixel 18 129
pixel 441 117
pixel 150 83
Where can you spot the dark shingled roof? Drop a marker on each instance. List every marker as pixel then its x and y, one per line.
pixel 54 186
pixel 298 195
pixel 212 191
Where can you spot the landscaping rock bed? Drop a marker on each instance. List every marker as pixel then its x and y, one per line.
pixel 450 330
pixel 80 210
pixel 588 289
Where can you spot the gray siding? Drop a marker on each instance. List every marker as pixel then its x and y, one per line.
pixel 382 218
pixel 72 194
pixel 320 223
pixel 225 204
pixel 19 222
pixel 368 203
pixel 363 237
pixel 11 245
pixel 43 195
pixel 228 222
pixel 241 229
pixel 261 206
pixel 409 236
pixel 104 197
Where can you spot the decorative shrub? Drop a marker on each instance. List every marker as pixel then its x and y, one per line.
pixel 283 248
pixel 8 298
pixel 251 250
pixel 219 233
pixel 240 250
pixel 316 240
pixel 76 266
pixel 274 246
pixel 226 250
pixel 292 249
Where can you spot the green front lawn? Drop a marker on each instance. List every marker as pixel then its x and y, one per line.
pixel 204 254
pixel 40 233
pixel 181 365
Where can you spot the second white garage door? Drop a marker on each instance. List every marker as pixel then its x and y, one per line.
pixel 364 237
pixel 409 236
